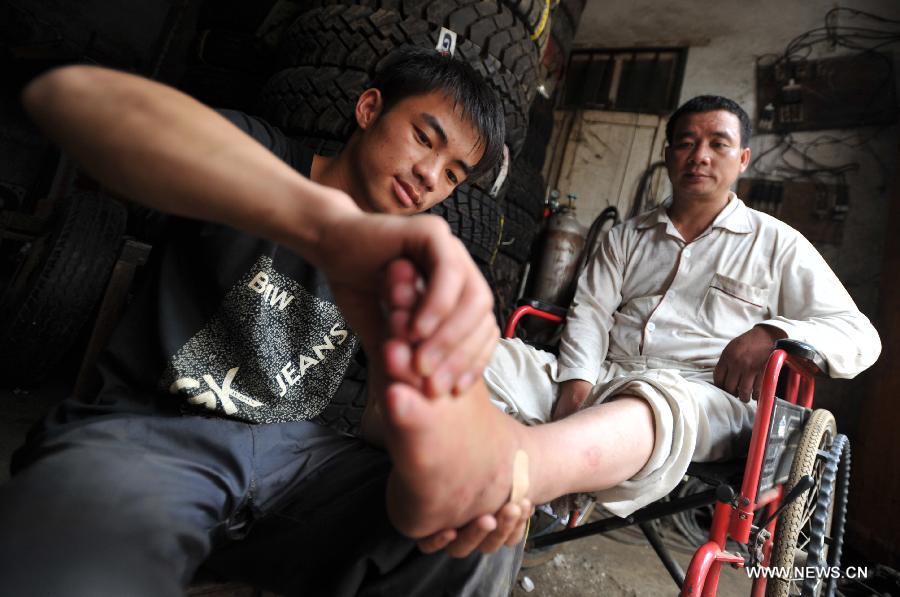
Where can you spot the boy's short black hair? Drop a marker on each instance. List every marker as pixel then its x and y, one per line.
pixel 711 103
pixel 412 70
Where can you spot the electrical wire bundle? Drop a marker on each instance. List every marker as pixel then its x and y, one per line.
pixel 866 39
pixel 788 148
pixel 790 159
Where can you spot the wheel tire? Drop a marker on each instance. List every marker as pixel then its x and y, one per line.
pixel 44 313
pixel 344 412
pixel 520 231
pixel 271 31
pixel 490 25
pixel 526 190
pixel 829 518
pixel 564 25
pixel 540 130
pixel 535 15
pixel 475 218
pixel 313 101
pixel 357 38
pixel 503 275
pixel 793 531
pixel 839 521
pixel 523 207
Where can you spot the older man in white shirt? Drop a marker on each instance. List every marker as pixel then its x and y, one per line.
pixel 663 351
pixel 681 307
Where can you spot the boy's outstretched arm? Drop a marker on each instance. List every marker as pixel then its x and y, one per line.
pixel 159 147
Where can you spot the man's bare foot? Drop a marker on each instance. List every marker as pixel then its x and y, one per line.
pixel 488 532
pixel 453 456
pixel 453 459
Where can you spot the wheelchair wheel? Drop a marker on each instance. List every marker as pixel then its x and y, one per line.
pixel 829 518
pixel 797 536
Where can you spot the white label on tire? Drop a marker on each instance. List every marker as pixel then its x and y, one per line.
pixel 501 176
pixel 446 42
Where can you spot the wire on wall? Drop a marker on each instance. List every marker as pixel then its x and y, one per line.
pixel 791 159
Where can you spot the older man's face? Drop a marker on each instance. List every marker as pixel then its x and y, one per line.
pixel 705 157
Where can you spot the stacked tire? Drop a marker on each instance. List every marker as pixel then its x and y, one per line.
pixel 345 44
pixel 330 53
pixel 566 17
pixel 524 200
pixel 56 284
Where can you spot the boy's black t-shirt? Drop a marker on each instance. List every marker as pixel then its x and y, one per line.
pixel 228 324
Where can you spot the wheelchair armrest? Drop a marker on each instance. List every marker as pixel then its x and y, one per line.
pixel 804 352
pixel 728 472
pixel 536 307
pixel 542 306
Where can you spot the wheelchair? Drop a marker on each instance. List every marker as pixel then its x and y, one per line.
pixel 785 505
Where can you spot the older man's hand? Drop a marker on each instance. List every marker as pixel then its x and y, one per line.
pixel 740 368
pixel 572 394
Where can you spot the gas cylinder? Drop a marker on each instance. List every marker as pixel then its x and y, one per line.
pixel 553 278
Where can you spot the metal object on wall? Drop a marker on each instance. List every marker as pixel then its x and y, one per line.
pixel 554 274
pixel 806 95
pixel 816 209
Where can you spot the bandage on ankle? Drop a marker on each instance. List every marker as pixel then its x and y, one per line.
pixel 519 477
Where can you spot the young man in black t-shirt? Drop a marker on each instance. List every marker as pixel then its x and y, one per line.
pixel 198 448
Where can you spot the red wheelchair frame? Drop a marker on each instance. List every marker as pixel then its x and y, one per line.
pixel 733 516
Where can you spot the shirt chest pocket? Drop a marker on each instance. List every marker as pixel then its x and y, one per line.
pixel 731 307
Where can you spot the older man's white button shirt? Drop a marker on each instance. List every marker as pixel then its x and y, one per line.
pixel 650 296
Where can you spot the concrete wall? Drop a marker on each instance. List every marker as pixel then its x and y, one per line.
pixel 725 38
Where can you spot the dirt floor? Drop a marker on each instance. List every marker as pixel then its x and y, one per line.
pixel 621 564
